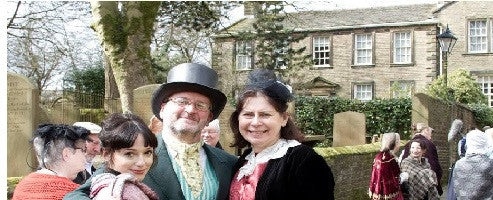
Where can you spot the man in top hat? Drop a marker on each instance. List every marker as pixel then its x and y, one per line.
pixel 186 168
pixel 93 148
pixel 423 132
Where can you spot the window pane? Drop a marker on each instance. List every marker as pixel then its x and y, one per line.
pixel 363 49
pixel 486 83
pixel 363 92
pixel 477 36
pixel 321 50
pixel 402 47
pixel 243 55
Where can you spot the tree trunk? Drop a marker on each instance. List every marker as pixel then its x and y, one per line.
pixel 125 34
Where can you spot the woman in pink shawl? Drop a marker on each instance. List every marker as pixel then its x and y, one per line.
pixel 384 183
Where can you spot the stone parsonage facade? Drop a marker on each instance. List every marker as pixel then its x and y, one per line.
pixel 379 52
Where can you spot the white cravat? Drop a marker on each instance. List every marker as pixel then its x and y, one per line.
pixel 279 149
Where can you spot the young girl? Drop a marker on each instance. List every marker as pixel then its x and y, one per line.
pixel 128 148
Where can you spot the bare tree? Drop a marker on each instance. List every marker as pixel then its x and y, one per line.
pixel 45 39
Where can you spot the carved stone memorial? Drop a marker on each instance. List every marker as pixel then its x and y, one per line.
pixel 349 129
pixel 22 104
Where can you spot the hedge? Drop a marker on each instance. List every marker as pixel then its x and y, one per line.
pixel 315 115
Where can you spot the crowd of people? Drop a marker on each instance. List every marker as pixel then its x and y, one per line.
pixel 179 156
pixel 416 173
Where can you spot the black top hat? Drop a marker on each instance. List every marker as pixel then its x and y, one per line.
pixel 190 77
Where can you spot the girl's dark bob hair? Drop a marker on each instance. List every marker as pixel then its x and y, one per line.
pixel 121 130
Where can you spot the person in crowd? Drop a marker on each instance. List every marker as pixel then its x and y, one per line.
pixel 489 134
pixel 128 149
pixel 424 133
pixel 60 151
pixel 384 183
pixel 185 167
pixel 211 133
pixel 455 132
pixel 93 146
pixel 277 166
pixel 473 174
pixel 422 180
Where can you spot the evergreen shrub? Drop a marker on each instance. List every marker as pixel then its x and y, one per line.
pixel 315 115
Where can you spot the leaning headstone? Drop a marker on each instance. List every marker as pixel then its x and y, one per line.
pixel 349 129
pixel 22 103
pixel 142 101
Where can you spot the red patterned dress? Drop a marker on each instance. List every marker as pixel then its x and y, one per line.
pixel 384 183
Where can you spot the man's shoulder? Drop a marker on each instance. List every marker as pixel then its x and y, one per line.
pixel 220 154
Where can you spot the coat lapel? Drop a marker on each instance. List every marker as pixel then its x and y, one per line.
pixel 162 177
pixel 220 167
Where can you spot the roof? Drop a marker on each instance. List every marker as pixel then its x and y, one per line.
pixel 407 15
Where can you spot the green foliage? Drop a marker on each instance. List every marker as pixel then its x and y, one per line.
pixel 193 15
pixel 88 80
pixel 461 87
pixel 482 114
pixel 95 115
pixel 315 115
pixel 11 183
pixel 273 40
pixel 162 62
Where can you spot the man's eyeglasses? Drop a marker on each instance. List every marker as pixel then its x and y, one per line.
pixel 84 149
pixel 182 101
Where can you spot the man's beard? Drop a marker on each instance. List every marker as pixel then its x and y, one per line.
pixel 184 130
pixel 89 158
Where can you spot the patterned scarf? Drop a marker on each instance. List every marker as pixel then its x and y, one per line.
pixel 188 159
pixel 422 180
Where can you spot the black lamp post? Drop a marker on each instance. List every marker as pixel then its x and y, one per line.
pixel 447 42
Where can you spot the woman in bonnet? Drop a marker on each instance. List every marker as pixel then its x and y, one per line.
pixel 384 183
pixel 277 165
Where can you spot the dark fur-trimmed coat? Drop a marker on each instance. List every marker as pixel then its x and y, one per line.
pixel 300 174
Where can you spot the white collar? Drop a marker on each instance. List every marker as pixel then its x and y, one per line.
pixel 279 149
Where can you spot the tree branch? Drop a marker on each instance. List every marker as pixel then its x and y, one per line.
pixel 15 14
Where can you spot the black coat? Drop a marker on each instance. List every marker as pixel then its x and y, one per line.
pixel 300 174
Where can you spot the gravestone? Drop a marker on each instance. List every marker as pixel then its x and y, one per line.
pixel 349 129
pixel 22 104
pixel 142 101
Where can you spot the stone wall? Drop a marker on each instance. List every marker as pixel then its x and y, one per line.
pixel 351 166
pixel 439 115
pixel 422 70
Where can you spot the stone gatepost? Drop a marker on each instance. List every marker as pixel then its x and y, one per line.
pixel 22 109
pixel 142 101
pixel 349 129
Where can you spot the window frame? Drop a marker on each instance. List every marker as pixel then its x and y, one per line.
pixel 354 92
pixel 489 88
pixel 283 51
pixel 393 48
pixel 329 51
pixel 355 49
pixel 412 83
pixel 486 37
pixel 247 54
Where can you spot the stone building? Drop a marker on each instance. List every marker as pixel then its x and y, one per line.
pixel 472 23
pixel 379 52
